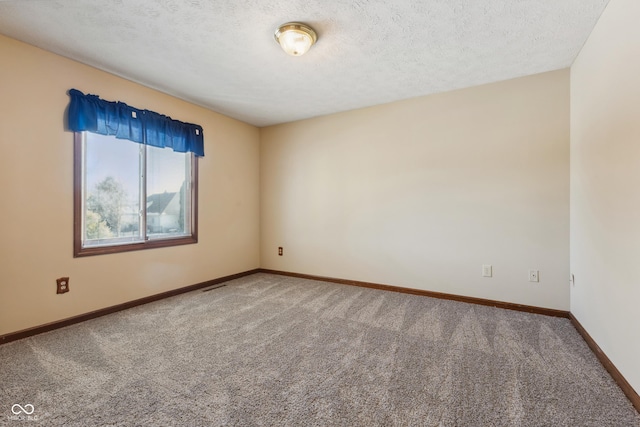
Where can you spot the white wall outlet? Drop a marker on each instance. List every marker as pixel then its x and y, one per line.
pixel 534 275
pixel 487 270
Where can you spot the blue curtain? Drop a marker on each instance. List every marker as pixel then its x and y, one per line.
pixel 92 114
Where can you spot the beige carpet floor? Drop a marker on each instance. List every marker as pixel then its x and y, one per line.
pixel 267 350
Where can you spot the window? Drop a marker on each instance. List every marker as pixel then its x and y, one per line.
pixel 135 177
pixel 131 196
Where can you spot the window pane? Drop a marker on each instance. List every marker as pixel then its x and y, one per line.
pixel 130 196
pixel 168 193
pixel 112 191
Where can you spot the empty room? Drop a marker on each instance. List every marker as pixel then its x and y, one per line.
pixel 365 213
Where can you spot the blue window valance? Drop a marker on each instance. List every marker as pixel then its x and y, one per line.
pixel 92 114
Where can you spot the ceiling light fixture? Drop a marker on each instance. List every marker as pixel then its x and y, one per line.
pixel 295 38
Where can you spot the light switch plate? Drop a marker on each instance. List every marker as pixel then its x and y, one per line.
pixel 487 270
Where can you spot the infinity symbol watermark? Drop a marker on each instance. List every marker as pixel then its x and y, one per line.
pixel 27 409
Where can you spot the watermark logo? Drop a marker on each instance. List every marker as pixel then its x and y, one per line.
pixel 18 409
pixel 23 412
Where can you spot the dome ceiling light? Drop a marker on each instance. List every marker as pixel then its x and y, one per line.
pixel 295 38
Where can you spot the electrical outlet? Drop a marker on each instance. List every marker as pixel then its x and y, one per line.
pixel 534 275
pixel 487 270
pixel 63 285
pixel 280 250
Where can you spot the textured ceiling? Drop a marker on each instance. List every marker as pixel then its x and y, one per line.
pixel 221 54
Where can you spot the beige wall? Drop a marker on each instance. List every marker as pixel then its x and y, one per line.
pixel 605 186
pixel 421 193
pixel 36 214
